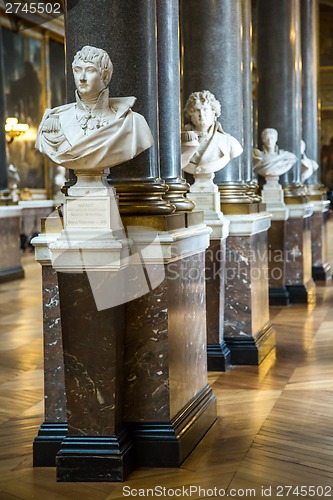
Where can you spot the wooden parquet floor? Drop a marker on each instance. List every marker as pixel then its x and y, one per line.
pixel 275 425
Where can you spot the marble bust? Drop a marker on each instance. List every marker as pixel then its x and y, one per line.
pixel 206 148
pixel 95 132
pixel 272 162
pixel 308 166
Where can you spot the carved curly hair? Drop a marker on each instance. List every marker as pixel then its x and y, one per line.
pixel 98 57
pixel 202 97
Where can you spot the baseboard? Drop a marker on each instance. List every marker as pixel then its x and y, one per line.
pixel 322 273
pixel 218 357
pixel 47 444
pixel 11 273
pixel 302 294
pixel 168 444
pixel 278 296
pixel 95 458
pixel 250 350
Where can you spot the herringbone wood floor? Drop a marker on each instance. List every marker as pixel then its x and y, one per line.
pixel 275 425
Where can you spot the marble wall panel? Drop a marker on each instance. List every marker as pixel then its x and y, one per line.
pixel 276 254
pixel 215 269
pixel 165 350
pixel 298 251
pixel 187 330
pixel 307 252
pixel 93 356
pixel 147 357
pixel 10 253
pixel 318 226
pixel 246 288
pixel 54 377
pixel 259 284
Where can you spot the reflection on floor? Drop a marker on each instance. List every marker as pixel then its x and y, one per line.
pixel 274 427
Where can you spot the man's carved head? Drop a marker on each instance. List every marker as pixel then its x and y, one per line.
pixel 199 98
pixel 97 56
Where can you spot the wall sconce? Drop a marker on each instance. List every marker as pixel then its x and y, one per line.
pixel 14 129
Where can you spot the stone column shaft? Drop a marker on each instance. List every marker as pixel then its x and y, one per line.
pixel 309 45
pixel 3 158
pixel 169 103
pixel 279 76
pixel 212 60
pixel 247 89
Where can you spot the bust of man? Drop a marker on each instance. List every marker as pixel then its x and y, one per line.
pixel 272 162
pixel 95 132
pixel 308 166
pixel 206 148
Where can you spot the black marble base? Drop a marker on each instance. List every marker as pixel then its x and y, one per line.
pixel 47 444
pixel 218 357
pixel 252 351
pixel 302 294
pixel 11 273
pixel 95 458
pixel 169 444
pixel 278 296
pixel 322 273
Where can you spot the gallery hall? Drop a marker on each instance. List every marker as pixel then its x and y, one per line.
pixel 166 249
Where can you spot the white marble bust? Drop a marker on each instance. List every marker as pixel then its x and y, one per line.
pixel 308 166
pixel 272 162
pixel 95 132
pixel 206 148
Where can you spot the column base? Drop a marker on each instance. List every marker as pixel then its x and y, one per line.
pixel 322 273
pixel 252 351
pixel 302 294
pixel 11 273
pixel 95 458
pixel 168 444
pixel 218 357
pixel 47 444
pixel 278 296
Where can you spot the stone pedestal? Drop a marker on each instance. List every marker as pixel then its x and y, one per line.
pixel 168 404
pixel 54 428
pixel 278 293
pixel 218 353
pixel 96 448
pixel 321 269
pixel 10 253
pixel 247 331
pixel 299 280
pixel 89 250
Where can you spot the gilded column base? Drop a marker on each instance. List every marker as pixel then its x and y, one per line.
pixel 295 195
pixel 253 191
pixel 142 198
pixel 235 200
pixel 317 192
pixel 176 196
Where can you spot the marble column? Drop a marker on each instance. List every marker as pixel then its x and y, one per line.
pixel 212 59
pixel 54 428
pixel 279 106
pixel 132 47
pixel 249 176
pixel 321 270
pixel 169 104
pixel 3 159
pixel 279 92
pixel 167 408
